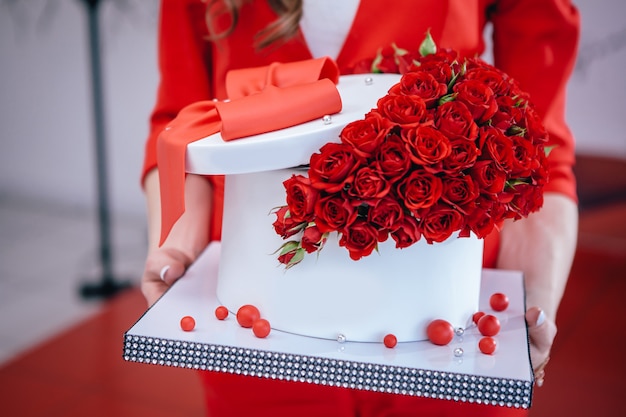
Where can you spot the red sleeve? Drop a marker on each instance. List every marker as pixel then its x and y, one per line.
pixel 184 62
pixel 536 42
pixel 185 71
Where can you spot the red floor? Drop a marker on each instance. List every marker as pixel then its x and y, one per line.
pixel 81 372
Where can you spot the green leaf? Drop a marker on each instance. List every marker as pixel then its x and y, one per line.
pixel 452 80
pixel 398 51
pixel 447 98
pixel 516 130
pixel 377 60
pixel 288 247
pixel 517 181
pixel 428 46
pixel 548 149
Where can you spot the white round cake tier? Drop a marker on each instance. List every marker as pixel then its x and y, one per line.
pixel 392 291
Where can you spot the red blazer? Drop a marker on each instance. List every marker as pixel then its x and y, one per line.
pixel 535 41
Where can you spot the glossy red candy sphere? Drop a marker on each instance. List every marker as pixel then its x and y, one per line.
pixel 489 325
pixel 487 345
pixel 221 312
pixel 477 316
pixel 499 301
pixel 440 332
pixel 261 328
pixel 187 323
pixel 247 315
pixel 390 341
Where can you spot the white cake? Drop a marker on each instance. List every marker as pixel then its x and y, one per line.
pixel 393 291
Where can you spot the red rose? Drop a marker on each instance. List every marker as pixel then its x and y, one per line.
pixel 478 98
pixel 526 200
pixel 330 169
pixel 385 61
pixel 481 222
pixel 442 56
pixel 312 239
pixel 426 145
pixel 508 114
pixel 440 70
pixel 360 239
pixel 365 135
pixel 284 225
pixel 439 222
pixel 534 127
pixel 475 63
pixel 387 214
pixel 301 197
pixel 391 158
pixel 287 258
pixel 420 189
pixel 402 110
pixel 455 121
pixel 290 254
pixel 526 157
pixel 333 213
pixel 407 233
pixel 368 185
pixel 540 173
pixel 489 177
pixel 498 147
pixel 460 192
pixel 491 77
pixel 463 155
pixel 516 92
pixel 420 84
pixel 407 61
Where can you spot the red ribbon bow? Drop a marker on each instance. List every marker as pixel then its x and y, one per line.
pixel 262 99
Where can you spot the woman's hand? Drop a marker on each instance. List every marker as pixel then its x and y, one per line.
pixel 542 246
pixel 163 268
pixel 187 239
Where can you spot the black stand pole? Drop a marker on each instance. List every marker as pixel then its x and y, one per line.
pixel 107 286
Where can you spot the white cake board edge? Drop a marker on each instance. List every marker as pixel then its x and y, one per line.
pixel 413 368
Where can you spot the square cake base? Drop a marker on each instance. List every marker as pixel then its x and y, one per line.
pixel 456 372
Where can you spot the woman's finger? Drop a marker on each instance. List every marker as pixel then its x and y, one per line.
pixel 541 332
pixel 171 272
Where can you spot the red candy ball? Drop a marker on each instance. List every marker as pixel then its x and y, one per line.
pixel 487 345
pixel 247 315
pixel 477 316
pixel 187 323
pixel 488 325
pixel 221 313
pixel 499 301
pixel 440 332
pixel 261 328
pixel 390 341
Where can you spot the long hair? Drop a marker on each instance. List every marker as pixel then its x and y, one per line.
pixel 284 27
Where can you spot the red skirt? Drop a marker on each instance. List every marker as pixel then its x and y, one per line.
pixel 234 395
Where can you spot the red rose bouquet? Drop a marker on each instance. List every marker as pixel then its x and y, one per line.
pixel 454 148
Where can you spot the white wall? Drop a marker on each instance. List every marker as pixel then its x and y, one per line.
pixel 46 135
pixel 46 119
pixel 596 106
